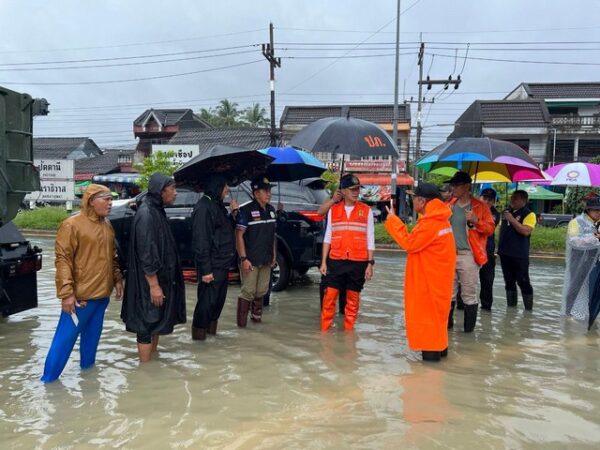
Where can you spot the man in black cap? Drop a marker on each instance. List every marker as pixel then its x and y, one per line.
pixel 256 247
pixel 518 222
pixel 348 248
pixel 472 223
pixel 487 273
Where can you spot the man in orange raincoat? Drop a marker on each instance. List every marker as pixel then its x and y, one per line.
pixel 429 271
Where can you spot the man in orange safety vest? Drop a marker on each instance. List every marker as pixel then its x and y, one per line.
pixel 348 248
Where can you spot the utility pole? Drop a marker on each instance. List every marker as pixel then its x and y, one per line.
pixel 395 120
pixel 268 51
pixel 429 82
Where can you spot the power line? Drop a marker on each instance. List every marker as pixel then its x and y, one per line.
pixel 349 51
pixel 134 44
pixel 445 32
pixel 139 63
pixel 524 61
pixel 78 83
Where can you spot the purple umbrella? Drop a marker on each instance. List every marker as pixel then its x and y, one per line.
pixel 575 174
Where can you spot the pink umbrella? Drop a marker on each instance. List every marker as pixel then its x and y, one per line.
pixel 575 174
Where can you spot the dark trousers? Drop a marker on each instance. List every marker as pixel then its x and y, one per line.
pixel 211 299
pixel 516 272
pixel 487 273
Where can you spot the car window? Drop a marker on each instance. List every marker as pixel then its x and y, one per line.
pixel 185 199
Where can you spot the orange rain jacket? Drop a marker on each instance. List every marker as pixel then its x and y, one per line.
pixel 429 275
pixel 478 235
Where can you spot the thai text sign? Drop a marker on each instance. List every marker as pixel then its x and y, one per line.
pixel 180 153
pixel 54 190
pixel 373 166
pixel 54 169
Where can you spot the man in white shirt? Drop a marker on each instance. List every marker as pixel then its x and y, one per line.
pixel 348 248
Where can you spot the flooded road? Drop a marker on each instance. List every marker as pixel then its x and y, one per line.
pixel 521 380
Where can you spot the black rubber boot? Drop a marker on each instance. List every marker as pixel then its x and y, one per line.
pixel 212 327
pixel 431 356
pixel 470 317
pixel 459 301
pixel 511 298
pixel 198 334
pixel 242 312
pixel 444 352
pixel 451 316
pixel 528 301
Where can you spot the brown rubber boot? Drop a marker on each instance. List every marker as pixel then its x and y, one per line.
pixel 212 327
pixel 198 334
pixel 257 307
pixel 242 312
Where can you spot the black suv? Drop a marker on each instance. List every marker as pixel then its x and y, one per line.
pixel 299 229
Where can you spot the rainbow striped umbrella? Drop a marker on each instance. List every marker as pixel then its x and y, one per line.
pixel 486 160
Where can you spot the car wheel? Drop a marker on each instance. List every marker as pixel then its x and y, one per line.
pixel 281 273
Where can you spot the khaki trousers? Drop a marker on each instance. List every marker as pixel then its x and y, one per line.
pixel 255 283
pixel 466 275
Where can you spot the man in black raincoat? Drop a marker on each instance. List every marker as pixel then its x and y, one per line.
pixel 154 291
pixel 214 253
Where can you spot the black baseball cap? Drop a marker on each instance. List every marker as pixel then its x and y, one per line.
pixel 426 190
pixel 593 203
pixel 489 193
pixel 261 182
pixel 349 181
pixel 460 177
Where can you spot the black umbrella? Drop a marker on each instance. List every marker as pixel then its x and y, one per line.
pixel 237 164
pixel 345 135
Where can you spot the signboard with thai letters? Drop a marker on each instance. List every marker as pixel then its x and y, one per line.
pixel 55 191
pixel 181 153
pixel 373 166
pixel 55 169
pixel 56 180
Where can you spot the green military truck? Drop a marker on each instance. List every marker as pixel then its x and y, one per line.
pixel 19 261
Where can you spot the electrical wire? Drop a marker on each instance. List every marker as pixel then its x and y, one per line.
pixel 158 77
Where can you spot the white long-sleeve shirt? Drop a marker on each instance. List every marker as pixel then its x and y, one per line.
pixel 370 227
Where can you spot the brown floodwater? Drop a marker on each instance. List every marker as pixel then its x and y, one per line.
pixel 521 380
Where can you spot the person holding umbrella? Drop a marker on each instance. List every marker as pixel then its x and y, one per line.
pixel 213 240
pixel 430 268
pixel 582 264
pixel 348 248
pixel 518 222
pixel 472 223
pixel 257 249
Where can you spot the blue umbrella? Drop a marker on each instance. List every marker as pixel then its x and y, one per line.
pixel 291 164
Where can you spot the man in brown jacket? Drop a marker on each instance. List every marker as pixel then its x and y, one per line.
pixel 87 270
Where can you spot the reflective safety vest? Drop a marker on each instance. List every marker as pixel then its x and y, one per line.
pixel 349 234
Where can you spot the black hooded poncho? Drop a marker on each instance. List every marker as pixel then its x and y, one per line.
pixel 152 250
pixel 212 229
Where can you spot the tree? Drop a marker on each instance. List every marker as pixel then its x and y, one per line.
pixel 156 162
pixel 255 116
pixel 228 113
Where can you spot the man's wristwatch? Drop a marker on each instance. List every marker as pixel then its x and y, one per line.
pixel 243 258
pixel 371 261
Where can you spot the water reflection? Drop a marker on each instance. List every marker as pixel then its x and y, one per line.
pixel 521 380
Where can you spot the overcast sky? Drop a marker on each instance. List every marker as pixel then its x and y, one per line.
pixel 333 52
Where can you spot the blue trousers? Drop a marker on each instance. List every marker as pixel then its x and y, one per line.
pixel 91 318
